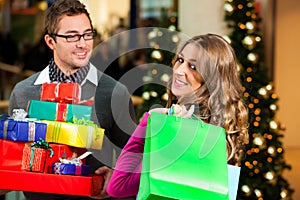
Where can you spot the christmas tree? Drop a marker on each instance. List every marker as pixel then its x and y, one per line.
pixel 164 41
pixel 263 163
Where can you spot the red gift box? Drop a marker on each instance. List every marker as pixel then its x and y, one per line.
pixel 11 154
pixel 61 92
pixel 51 183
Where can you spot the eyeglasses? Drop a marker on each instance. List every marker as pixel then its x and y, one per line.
pixel 77 37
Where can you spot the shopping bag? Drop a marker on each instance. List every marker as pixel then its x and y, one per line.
pixel 183 159
pixel 233 181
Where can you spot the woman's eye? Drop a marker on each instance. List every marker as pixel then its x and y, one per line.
pixel 193 67
pixel 180 60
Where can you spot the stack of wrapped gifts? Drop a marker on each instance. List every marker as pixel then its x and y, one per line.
pixel 48 143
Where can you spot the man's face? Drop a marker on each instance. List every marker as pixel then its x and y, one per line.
pixel 70 56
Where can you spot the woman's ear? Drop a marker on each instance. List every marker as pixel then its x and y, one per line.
pixel 49 41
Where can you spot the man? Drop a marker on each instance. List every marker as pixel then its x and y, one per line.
pixel 69 34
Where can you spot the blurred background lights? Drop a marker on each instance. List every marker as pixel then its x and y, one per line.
pixel 165 78
pixel 146 95
pixel 269 175
pixel 228 7
pixel 156 55
pixel 273 124
pixel 262 91
pixel 250 25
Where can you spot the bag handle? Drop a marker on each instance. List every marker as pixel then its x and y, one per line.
pixel 210 140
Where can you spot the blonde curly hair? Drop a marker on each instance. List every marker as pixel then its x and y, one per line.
pixel 219 100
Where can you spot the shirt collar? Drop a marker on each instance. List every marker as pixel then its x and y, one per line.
pixel 92 76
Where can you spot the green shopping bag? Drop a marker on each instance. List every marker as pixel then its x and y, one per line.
pixel 183 159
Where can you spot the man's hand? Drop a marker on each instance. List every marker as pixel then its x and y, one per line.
pixel 106 173
pixel 4 192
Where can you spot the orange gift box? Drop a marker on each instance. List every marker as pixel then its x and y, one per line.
pixel 61 92
pixel 51 183
pixel 34 159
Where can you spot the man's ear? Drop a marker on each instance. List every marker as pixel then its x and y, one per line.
pixel 49 41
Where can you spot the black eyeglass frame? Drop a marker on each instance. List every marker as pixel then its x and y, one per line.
pixel 79 36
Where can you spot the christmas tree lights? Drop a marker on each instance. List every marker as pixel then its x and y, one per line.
pixel 263 164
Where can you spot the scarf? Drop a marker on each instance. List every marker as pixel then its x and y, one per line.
pixel 56 75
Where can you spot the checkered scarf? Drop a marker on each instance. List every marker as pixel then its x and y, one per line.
pixel 56 75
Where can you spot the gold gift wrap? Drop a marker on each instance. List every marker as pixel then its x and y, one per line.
pixel 82 136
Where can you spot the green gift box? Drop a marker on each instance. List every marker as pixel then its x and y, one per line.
pixel 183 159
pixel 63 112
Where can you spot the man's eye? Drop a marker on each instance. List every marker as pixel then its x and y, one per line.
pixel 89 34
pixel 72 36
pixel 180 60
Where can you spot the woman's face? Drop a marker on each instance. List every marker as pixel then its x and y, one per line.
pixel 186 78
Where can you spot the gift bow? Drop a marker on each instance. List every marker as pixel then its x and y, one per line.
pixel 75 161
pixel 19 114
pixel 43 145
pixel 85 122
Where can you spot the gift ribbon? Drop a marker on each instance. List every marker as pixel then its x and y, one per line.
pixel 89 139
pixel 56 90
pixel 31 159
pixel 61 100
pixel 56 131
pixel 61 112
pixel 31 131
pixel 78 170
pixel 88 102
pixel 5 129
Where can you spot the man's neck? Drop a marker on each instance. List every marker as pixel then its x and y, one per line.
pixel 69 71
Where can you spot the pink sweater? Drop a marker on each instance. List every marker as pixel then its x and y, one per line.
pixel 126 177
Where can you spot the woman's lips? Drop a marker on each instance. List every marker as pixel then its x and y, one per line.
pixel 179 83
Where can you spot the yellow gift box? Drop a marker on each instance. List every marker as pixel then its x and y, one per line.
pixel 76 135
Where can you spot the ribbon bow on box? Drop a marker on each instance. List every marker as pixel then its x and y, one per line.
pixel 42 145
pixel 35 155
pixel 75 161
pixel 72 166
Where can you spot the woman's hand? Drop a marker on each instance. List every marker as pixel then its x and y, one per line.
pixel 176 109
pixel 159 110
pixel 181 111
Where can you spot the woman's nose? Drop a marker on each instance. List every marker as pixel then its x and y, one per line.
pixel 181 69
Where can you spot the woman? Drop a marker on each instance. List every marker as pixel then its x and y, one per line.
pixel 206 83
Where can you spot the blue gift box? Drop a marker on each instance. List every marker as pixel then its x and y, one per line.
pixel 22 131
pixel 70 169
